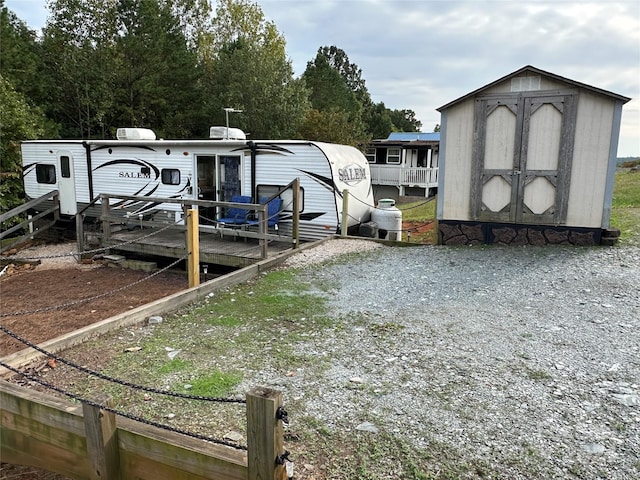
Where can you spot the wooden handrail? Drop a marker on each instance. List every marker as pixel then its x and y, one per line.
pixel 23 208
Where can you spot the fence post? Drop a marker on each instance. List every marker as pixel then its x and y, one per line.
pixel 263 219
pixel 56 203
pixel 106 223
pixel 102 441
pixel 193 248
pixel 296 213
pixel 264 435
pixel 80 236
pixel 345 212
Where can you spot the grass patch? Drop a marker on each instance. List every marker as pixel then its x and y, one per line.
pixel 175 365
pixel 420 216
pixel 419 211
pixel 216 384
pixel 625 213
pixel 366 456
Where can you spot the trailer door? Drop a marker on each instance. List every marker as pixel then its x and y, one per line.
pixel 66 184
pixel 229 168
pixel 219 177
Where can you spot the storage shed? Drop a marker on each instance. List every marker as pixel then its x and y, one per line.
pixel 528 159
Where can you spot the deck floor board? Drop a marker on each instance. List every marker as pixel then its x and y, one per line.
pixel 228 250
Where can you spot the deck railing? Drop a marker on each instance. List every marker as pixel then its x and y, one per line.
pixel 399 175
pixel 50 215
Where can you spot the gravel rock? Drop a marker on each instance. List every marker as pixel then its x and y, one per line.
pixel 524 358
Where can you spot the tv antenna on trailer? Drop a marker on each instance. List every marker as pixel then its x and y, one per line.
pixel 226 111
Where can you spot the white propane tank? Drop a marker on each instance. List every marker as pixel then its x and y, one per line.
pixel 388 218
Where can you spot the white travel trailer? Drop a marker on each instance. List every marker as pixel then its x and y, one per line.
pixel 216 169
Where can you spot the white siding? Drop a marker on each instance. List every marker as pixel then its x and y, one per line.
pixel 459 144
pixel 590 160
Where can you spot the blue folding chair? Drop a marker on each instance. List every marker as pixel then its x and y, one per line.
pixel 236 215
pixel 273 212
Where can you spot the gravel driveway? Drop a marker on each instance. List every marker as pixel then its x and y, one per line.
pixel 526 360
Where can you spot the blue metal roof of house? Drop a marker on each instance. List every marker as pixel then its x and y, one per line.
pixel 415 136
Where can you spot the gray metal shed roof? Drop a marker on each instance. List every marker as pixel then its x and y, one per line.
pixel 537 71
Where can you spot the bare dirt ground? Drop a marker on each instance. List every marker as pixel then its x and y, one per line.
pixel 62 281
pixel 41 287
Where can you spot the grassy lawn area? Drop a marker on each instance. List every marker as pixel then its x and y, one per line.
pixel 625 212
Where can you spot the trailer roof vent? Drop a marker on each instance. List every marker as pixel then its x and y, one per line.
pixel 135 134
pixel 224 133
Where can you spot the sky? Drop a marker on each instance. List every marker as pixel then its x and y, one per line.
pixel 422 54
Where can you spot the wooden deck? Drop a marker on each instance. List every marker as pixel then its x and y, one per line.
pixel 229 250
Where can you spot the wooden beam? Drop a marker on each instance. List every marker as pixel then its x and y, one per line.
pixel 193 249
pixel 102 440
pixel 264 435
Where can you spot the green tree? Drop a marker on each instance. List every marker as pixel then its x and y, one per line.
pixel 249 70
pixel 158 76
pixel 333 126
pixel 18 121
pixel 79 57
pixel 331 93
pixel 20 56
pixel 378 120
pixel 329 89
pixel 405 120
pixel 125 63
pixel 350 72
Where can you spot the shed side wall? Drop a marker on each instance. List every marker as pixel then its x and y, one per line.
pixel 459 144
pixel 590 160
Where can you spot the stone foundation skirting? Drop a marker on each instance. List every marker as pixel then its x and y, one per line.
pixel 454 232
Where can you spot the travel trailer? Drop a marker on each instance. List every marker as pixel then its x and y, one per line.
pixel 217 169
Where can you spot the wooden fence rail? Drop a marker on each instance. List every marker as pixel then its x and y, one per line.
pixel 87 442
pixel 28 223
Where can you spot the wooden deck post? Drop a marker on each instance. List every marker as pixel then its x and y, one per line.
pixel 102 441
pixel 56 203
pixel 296 213
pixel 264 435
pixel 263 217
pixel 345 212
pixel 106 223
pixel 80 236
pixel 193 248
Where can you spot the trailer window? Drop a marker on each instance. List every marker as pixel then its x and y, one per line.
pixel 266 191
pixel 65 169
pixel 171 176
pixel 393 155
pixel 45 173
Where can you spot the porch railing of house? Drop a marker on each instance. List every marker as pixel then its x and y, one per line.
pixel 406 176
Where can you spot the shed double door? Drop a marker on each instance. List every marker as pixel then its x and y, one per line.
pixel 523 146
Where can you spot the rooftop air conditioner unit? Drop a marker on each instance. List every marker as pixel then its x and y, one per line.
pixel 135 134
pixel 222 133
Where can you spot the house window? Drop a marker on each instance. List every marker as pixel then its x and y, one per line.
pixel 171 176
pixel 370 153
pixel 45 173
pixel 65 167
pixel 393 155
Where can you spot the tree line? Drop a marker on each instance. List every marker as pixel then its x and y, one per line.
pixel 172 66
